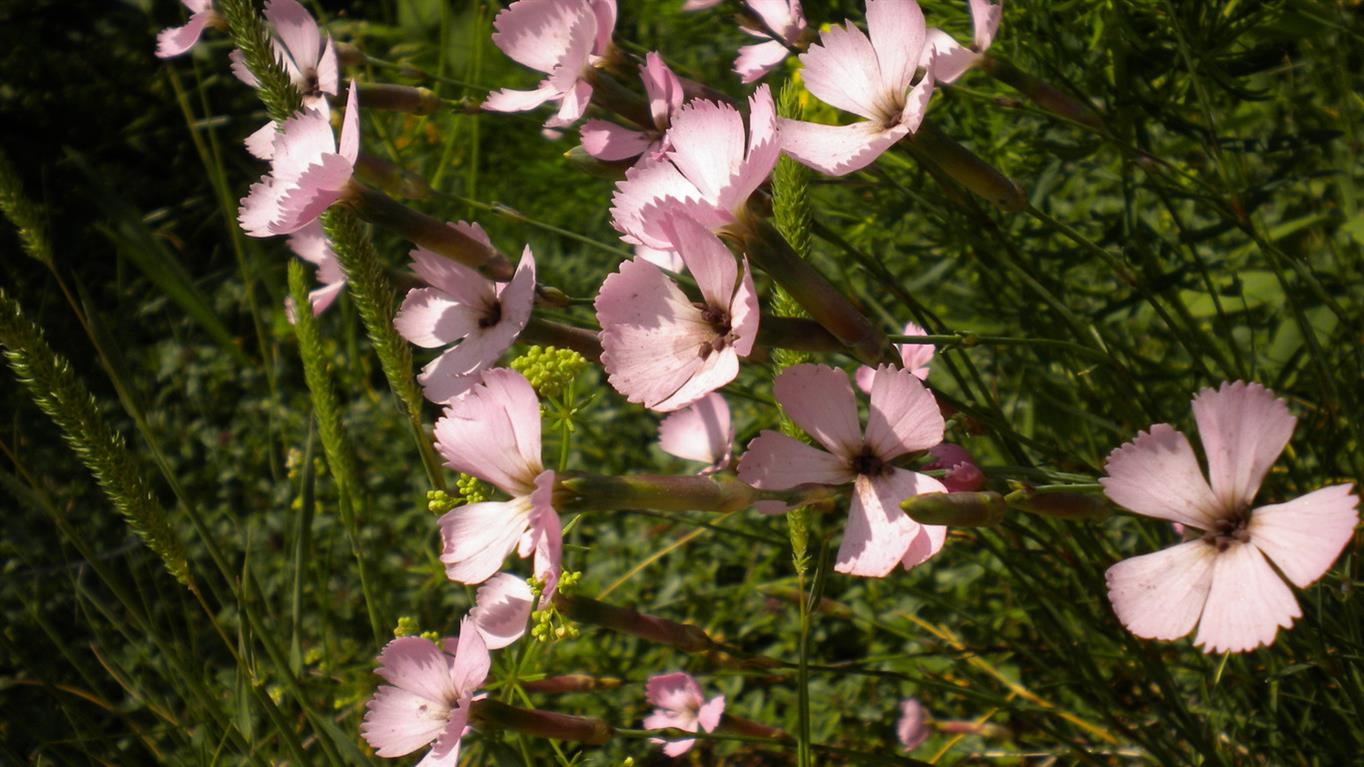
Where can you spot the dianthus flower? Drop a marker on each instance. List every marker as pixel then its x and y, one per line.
pixel 562 38
pixel 173 41
pixel 702 431
pixel 663 351
pixel 902 418
pixel 913 357
pixel 428 696
pixel 912 727
pixel 783 17
pixel 609 142
pixel 501 608
pixel 678 703
pixel 308 172
pixel 310 244
pixel 462 307
pixel 492 432
pixel 949 58
pixel 873 77
pixel 1220 578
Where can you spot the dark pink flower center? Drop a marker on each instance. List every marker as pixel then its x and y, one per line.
pixel 868 464
pixel 492 316
pixel 718 319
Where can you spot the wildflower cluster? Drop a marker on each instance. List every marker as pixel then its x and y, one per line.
pixel 681 321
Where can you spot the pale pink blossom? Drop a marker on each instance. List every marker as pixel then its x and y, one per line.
pixel 658 347
pixel 308 56
pixel 564 39
pixel 902 418
pixel 708 173
pixel 913 357
pixel 610 142
pixel 700 5
pixel 912 727
pixel 481 318
pixel 870 74
pixel 678 702
pixel 310 244
pixel 501 608
pixel 1222 578
pixel 702 432
pixel 308 172
pixel 492 432
pixel 963 476
pixel 428 696
pixel 950 59
pixel 173 41
pixel 783 17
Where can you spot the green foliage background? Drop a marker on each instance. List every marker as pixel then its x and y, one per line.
pixel 1215 235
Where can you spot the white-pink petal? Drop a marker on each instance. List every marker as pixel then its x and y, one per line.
pixel 1244 428
pixel 878 533
pixel 837 150
pixel 820 401
pixel 501 609
pixel 903 417
pixel 701 432
pixel 1247 604
pixel 1161 595
pixel 774 461
pixel 1303 537
pixel 1157 475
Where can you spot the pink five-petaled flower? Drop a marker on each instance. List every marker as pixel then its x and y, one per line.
pixel 492 431
pixel 1220 580
pixel 913 357
pixel 562 38
pixel 310 244
pixel 702 431
pixel 173 41
pixel 308 172
pixel 610 142
pixel 783 17
pixel 950 59
pixel 663 351
pixel 463 306
pixel 902 418
pixel 428 696
pixel 912 727
pixel 678 702
pixel 708 173
pixel 307 56
pixel 873 78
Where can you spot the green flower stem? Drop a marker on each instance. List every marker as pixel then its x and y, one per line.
pixel 798 334
pixel 929 144
pixel 546 333
pixel 680 636
pixel 812 290
pixel 1041 93
pixel 408 99
pixel 433 234
pixel 656 492
pixel 392 179
pixel 956 509
pixel 565 683
pixel 540 724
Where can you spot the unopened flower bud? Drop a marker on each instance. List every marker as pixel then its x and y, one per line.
pixel 399 98
pixel 1078 506
pixel 956 509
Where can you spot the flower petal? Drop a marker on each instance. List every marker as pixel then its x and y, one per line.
pixel 710 263
pixel 1247 604
pixel 663 89
pixel 902 417
pixel 320 185
pixel 897 33
pixel 842 71
pixel 476 538
pixel 493 432
pixel 472 662
pixel 609 142
pixel 173 41
pixel 445 752
pixel 878 533
pixel 985 17
pixel 297 30
pixel 261 142
pixel 1304 536
pixel 1157 475
pixel 708 716
pixel 757 60
pixel 677 692
pixel 837 150
pixel 429 319
pixel 946 58
pixel 349 147
pixel 418 666
pixel 707 145
pixel 820 401
pixel 501 609
pixel 774 461
pixel 1243 427
pixel 536 33
pixel 700 432
pixel 398 722
pixel 1161 595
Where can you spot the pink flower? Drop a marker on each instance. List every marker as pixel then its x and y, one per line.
pixel 562 38
pixel 307 173
pixel 708 173
pixel 702 431
pixel 870 77
pixel 493 433
pixel 427 697
pixel 913 357
pixel 950 59
pixel 610 142
pixel 663 351
pixel 678 703
pixel 902 418
pixel 462 307
pixel 501 609
pixel 1222 579
pixel 173 41
pixel 308 57
pixel 912 728
pixel 310 244
pixel 781 16
pixel 963 476
pixel 700 5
